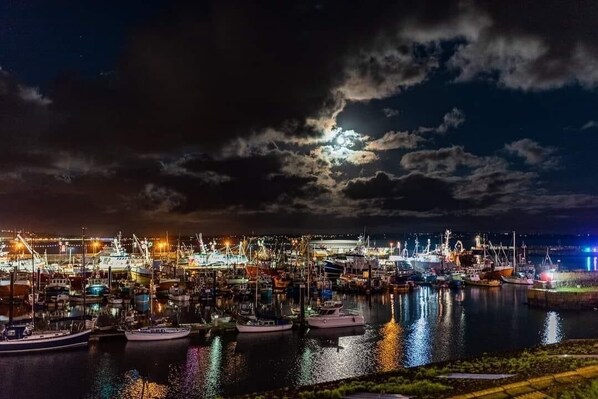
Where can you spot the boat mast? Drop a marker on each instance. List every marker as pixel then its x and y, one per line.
pixel 32 286
pixel 84 267
pixel 514 250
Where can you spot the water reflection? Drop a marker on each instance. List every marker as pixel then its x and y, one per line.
pixel 390 346
pixel 552 328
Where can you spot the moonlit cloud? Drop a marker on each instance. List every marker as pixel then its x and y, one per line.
pixel 395 140
pixel 533 153
pixel 589 125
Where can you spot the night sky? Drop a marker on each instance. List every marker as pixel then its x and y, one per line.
pixel 324 116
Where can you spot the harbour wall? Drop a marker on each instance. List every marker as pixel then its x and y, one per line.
pixel 548 295
pixel 559 300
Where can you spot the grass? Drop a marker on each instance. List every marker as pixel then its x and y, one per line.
pixel 584 391
pixel 577 289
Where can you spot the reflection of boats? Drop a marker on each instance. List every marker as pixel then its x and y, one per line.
pixel 330 315
pixel 21 338
pixel 329 333
pixel 178 294
pixel 331 337
pixel 164 285
pixel 264 326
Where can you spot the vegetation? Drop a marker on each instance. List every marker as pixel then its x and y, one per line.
pixel 585 391
pixel 576 289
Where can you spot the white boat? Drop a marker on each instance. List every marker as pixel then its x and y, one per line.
pixel 117 260
pixel 215 258
pixel 263 326
pixel 330 315
pixel 156 333
pixel 520 280
pixel 355 261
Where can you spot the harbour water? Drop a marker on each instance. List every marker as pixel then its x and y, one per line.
pixel 403 330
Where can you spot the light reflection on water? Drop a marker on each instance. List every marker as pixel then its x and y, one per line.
pixel 403 330
pixel 552 328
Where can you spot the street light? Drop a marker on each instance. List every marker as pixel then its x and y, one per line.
pixel 95 246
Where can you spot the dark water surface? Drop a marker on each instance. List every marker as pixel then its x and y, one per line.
pixel 425 326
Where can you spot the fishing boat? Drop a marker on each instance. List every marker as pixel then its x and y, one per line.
pixel 331 315
pixel 263 325
pixel 215 258
pixel 355 261
pixel 20 289
pixel 58 290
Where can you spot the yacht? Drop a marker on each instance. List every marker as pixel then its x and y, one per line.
pixel 331 315
pixel 263 326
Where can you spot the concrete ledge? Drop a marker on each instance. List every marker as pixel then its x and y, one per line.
pixel 488 391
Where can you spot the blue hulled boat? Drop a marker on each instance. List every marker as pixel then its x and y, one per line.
pixel 22 339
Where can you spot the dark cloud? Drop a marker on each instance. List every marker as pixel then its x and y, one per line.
pixel 413 192
pixel 441 160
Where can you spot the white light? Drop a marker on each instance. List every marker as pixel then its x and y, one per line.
pixel 340 140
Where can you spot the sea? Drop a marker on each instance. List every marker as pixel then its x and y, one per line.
pixel 402 330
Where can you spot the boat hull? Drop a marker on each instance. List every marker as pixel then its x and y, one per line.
pixel 516 280
pixel 20 290
pixel 483 283
pixel 336 321
pixel 156 334
pixel 243 328
pixel 42 343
